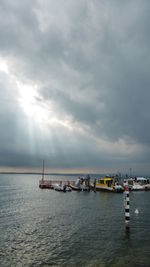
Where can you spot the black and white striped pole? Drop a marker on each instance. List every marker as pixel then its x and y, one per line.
pixel 127 208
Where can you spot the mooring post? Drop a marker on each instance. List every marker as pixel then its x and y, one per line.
pixel 95 185
pixel 127 208
pixel 43 173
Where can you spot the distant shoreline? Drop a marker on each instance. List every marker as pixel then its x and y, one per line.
pixel 69 174
pixel 39 173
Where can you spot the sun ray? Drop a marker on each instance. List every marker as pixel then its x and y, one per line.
pixel 30 102
pixel 3 66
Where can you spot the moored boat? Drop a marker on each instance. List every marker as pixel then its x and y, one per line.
pixel 62 187
pixel 144 182
pixel 81 184
pixel 137 183
pixel 108 184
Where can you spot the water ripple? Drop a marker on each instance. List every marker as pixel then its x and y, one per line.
pixel 45 228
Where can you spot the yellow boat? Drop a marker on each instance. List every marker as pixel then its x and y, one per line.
pixel 108 184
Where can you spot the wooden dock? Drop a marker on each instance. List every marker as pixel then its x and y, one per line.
pixel 51 183
pixel 83 183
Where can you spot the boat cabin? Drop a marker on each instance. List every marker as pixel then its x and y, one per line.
pixel 142 180
pixel 106 182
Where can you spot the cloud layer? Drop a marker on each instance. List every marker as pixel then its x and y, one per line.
pixel 74 85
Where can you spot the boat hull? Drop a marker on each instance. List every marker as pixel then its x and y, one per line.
pixel 147 187
pixel 100 188
pixel 79 188
pixel 60 190
pixel 108 189
pixel 46 186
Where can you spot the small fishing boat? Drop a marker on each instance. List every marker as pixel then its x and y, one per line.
pixel 108 184
pixel 137 187
pixel 81 184
pixel 137 183
pixel 59 188
pixel 62 188
pixel 144 182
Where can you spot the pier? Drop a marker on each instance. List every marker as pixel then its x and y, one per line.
pixel 49 184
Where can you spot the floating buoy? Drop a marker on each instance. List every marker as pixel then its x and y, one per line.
pixel 136 211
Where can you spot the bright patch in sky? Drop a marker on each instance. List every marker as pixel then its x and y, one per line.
pixel 36 109
pixel 30 103
pixel 3 66
pixel 28 96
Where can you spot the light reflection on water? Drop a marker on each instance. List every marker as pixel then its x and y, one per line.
pixel 49 228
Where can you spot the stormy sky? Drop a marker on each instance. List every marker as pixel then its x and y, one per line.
pixel 75 85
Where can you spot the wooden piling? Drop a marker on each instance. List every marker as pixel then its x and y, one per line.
pixel 95 185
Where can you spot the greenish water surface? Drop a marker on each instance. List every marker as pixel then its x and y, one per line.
pixel 49 228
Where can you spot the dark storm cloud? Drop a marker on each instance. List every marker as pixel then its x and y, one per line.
pixel 119 70
pixel 90 60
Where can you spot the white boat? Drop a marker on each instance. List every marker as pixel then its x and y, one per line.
pixel 81 184
pixel 137 183
pixel 62 188
pixel 137 187
pixel 144 182
pixel 118 188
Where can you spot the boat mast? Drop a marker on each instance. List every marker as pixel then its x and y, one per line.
pixel 130 172
pixel 43 172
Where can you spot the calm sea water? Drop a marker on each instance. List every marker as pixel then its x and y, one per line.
pixel 49 228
